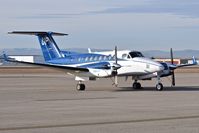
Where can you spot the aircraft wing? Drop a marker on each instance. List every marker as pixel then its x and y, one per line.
pixel 57 67
pixel 192 64
pixel 184 65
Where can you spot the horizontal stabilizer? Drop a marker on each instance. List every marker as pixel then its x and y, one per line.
pixel 48 45
pixel 37 33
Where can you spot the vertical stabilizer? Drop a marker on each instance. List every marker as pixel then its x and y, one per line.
pixel 48 45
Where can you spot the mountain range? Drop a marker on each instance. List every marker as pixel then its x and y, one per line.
pixel 149 53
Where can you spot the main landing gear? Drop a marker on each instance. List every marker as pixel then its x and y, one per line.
pixel 159 85
pixel 136 85
pixel 80 86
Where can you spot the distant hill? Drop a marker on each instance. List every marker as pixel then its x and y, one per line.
pixel 177 54
pixel 149 53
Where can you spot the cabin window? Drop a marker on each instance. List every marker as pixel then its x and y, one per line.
pixel 100 58
pixel 109 57
pixel 86 59
pixel 124 56
pixel 79 59
pixel 95 58
pixel 91 58
pixel 105 58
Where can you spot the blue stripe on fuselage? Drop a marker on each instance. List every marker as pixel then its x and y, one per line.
pixel 79 58
pixel 98 65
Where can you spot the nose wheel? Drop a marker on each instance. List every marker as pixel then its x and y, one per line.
pixel 159 87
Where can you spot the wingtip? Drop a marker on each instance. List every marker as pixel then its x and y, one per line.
pixel 5 57
pixel 10 32
pixel 194 60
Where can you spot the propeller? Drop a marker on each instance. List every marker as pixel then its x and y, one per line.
pixel 172 71
pixel 116 66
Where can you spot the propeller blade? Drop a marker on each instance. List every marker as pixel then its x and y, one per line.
pixel 116 80
pixel 172 71
pixel 173 78
pixel 171 53
pixel 115 54
pixel 115 73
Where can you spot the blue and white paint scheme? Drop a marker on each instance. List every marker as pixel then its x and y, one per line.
pixel 92 65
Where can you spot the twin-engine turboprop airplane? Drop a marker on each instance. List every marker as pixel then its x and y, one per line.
pixel 89 66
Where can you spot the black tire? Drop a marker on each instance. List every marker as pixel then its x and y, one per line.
pixel 80 87
pixel 159 87
pixel 137 85
pixel 134 86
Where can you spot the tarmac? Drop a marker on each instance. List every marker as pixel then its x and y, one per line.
pixel 49 103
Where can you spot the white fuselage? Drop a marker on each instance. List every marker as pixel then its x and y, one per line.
pixel 138 66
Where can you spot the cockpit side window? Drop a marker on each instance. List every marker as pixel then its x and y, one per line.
pixel 128 56
pixel 135 54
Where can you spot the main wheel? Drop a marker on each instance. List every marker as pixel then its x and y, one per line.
pixel 136 85
pixel 159 87
pixel 80 87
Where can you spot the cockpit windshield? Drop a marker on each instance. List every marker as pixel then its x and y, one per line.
pixel 135 54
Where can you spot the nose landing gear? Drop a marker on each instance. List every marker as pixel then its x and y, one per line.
pixel 159 85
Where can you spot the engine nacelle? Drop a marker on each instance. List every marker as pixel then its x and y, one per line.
pixel 101 73
pixel 166 71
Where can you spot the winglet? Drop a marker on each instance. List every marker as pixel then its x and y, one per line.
pixel 5 57
pixel 194 60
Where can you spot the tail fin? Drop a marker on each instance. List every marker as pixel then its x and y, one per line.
pixel 48 45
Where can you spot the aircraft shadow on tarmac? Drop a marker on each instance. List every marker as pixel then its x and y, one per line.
pixel 176 88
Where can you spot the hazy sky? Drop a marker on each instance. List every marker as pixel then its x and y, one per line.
pixel 129 24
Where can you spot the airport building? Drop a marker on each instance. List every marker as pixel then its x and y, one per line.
pixel 26 58
pixel 176 61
